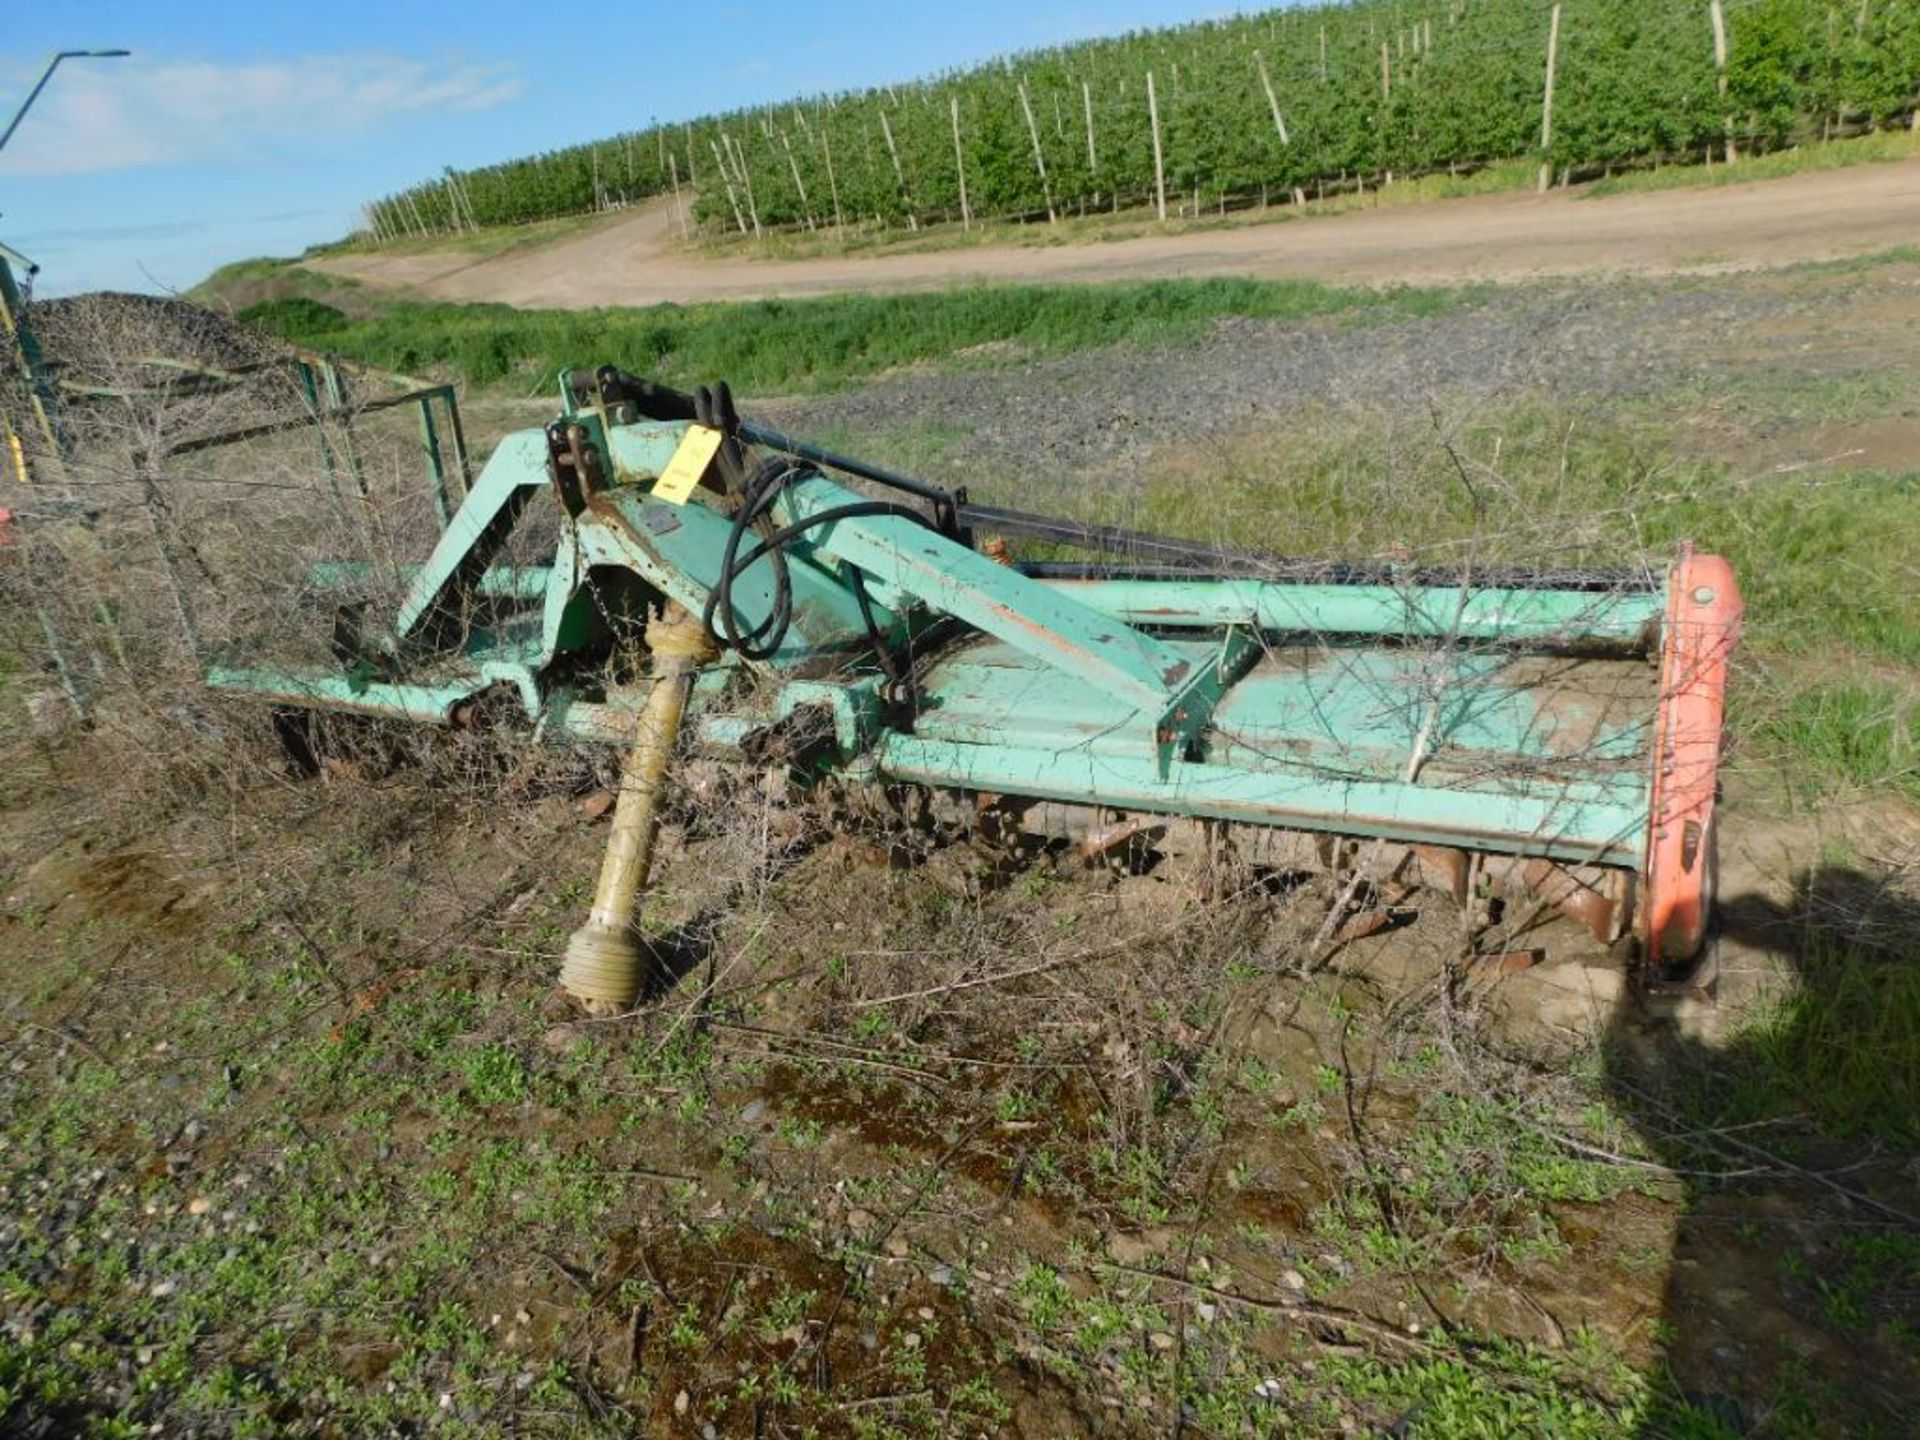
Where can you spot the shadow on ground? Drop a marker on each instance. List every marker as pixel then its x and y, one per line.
pixel 1794 1286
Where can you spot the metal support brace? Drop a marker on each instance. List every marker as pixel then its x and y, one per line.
pixel 1030 616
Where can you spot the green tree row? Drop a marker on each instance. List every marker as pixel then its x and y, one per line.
pixel 1256 105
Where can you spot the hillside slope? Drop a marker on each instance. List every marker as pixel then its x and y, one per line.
pixel 635 259
pixel 1245 105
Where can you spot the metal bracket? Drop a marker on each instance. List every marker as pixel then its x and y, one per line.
pixel 1179 729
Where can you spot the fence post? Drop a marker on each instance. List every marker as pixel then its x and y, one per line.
pixel 1159 166
pixel 1546 104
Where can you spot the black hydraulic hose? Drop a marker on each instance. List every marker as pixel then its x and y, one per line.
pixel 755 497
pixel 1139 556
pixel 662 402
pixel 765 638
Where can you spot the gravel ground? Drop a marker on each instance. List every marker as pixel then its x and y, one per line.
pixel 1107 412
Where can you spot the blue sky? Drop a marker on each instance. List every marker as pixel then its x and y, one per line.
pixel 260 128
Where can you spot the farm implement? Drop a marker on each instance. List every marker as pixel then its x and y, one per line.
pixel 1539 740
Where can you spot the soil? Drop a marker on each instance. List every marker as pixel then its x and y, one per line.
pixel 636 259
pixel 924 1217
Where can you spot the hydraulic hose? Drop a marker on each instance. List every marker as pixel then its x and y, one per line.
pixel 754 496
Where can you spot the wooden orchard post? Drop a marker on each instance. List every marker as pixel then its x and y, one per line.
pixel 1546 104
pixel 806 206
pixel 1159 165
pixel 959 162
pixel 746 181
pixel 1719 18
pixel 833 185
pixel 726 179
pixel 1273 102
pixel 1039 160
pixel 899 174
pixel 679 211
pixel 1093 164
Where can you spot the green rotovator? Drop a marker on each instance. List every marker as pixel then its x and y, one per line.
pixel 1557 736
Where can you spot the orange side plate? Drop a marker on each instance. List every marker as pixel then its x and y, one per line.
pixel 1702 627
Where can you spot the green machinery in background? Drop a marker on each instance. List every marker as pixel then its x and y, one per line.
pixel 1552 737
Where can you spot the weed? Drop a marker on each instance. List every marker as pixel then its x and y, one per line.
pixel 772 346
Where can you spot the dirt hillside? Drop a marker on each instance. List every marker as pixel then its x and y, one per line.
pixel 635 260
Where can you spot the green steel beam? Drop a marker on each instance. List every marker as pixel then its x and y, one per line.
pixel 436 465
pixel 1030 616
pixel 422 704
pixel 480 528
pixel 1563 827
pixel 1560 616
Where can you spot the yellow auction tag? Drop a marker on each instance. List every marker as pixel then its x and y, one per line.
pixel 688 465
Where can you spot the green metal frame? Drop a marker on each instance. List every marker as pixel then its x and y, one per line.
pixel 1415 712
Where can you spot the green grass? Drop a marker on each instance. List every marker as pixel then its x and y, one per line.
pixel 1844 1045
pixel 266 270
pixel 1857 733
pixel 788 345
pixel 1828 155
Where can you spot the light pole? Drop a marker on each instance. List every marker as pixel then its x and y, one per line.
pixel 53 64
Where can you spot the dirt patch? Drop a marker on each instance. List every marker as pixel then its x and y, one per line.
pixel 1891 443
pixel 636 260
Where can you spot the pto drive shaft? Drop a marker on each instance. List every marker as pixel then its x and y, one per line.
pixel 607 957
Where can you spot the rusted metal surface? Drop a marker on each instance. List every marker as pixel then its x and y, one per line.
pixel 1580 902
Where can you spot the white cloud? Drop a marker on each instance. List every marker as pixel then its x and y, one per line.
pixel 119 114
